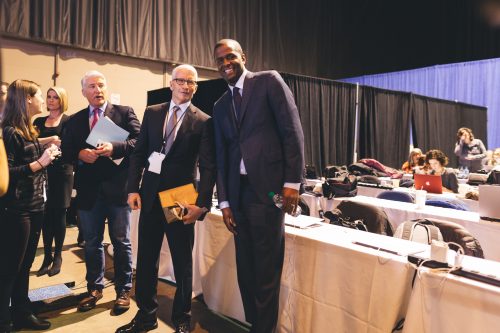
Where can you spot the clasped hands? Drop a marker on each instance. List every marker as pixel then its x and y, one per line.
pixel 49 154
pixel 89 156
pixel 290 202
pixel 193 211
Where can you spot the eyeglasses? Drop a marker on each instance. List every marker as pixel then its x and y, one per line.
pixel 182 82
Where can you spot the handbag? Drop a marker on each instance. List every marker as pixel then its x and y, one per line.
pixel 345 186
pixel 174 200
pixel 335 217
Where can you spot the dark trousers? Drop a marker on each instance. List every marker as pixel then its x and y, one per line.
pixel 180 237
pixel 54 229
pixel 260 247
pixel 19 235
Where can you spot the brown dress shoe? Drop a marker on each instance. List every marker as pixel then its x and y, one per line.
pixel 122 302
pixel 89 302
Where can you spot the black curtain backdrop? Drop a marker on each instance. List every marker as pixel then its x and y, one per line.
pixel 327 113
pixel 319 38
pixel 384 125
pixel 435 124
pixel 474 117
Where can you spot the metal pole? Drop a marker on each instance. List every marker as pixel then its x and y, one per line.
pixel 356 125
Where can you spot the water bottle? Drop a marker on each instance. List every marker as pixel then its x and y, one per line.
pixel 278 201
pixel 466 173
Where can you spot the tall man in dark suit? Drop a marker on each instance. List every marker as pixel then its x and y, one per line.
pixel 175 137
pixel 259 149
pixel 101 189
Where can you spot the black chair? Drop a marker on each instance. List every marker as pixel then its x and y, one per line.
pixel 396 196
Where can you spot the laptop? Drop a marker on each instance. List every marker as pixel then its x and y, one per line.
pixel 430 183
pixel 489 209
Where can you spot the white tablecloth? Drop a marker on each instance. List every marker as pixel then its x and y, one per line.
pixel 328 283
pixel 448 303
pixel 486 232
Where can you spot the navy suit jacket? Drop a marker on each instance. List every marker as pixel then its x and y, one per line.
pixel 194 144
pixel 268 137
pixel 103 173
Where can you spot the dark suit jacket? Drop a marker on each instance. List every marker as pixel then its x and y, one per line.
pixel 194 142
pixel 104 173
pixel 268 136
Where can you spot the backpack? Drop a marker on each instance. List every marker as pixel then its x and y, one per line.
pixel 343 186
pixel 333 171
pixel 421 231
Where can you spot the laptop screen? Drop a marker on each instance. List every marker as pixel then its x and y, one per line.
pixel 430 183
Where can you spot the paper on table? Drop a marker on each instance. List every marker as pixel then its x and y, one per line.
pixel 106 130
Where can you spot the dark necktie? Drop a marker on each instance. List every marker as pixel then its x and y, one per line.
pixel 170 129
pixel 95 118
pixel 237 102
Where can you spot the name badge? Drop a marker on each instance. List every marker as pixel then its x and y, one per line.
pixel 155 161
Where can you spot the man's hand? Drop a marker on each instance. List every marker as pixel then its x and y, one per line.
pixel 229 221
pixel 194 212
pixel 134 201
pixel 104 149
pixel 290 200
pixel 87 155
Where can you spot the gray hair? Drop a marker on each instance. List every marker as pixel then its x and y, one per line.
pixel 187 67
pixel 92 73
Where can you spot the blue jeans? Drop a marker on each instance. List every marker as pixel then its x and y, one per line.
pixel 92 227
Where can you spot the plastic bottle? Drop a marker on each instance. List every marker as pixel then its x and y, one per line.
pixel 466 173
pixel 278 201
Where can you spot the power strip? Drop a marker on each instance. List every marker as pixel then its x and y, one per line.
pixel 476 276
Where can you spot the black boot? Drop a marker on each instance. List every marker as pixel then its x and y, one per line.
pixel 56 265
pixel 47 260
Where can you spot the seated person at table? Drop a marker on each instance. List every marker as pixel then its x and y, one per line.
pixel 437 161
pixel 414 161
pixel 492 159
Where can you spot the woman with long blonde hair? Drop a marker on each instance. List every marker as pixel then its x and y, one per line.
pixel 60 181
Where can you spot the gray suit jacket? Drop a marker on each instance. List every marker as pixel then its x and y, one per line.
pixel 268 137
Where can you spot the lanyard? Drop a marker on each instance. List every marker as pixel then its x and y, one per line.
pixel 172 131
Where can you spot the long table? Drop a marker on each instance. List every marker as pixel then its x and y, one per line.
pixel 331 284
pixel 448 303
pixel 328 284
pixel 485 231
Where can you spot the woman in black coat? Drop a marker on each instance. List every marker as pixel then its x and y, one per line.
pixel 23 204
pixel 60 182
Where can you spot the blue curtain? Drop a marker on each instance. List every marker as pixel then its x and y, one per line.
pixel 476 82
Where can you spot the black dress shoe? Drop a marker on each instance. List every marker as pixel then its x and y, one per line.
pixel 89 302
pixel 183 328
pixel 137 326
pixel 31 322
